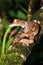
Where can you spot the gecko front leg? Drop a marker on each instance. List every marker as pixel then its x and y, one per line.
pixel 23 40
pixel 17 39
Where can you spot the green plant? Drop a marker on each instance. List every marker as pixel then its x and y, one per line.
pixel 4 39
pixel 5 45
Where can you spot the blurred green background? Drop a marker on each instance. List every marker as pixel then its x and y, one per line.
pixel 18 8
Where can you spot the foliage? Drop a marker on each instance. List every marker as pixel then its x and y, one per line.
pixel 3 26
pixel 5 23
pixel 11 59
pixel 4 39
pixel 12 11
pixel 38 15
pixel 8 43
pixel 18 52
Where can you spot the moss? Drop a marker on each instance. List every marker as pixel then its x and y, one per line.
pixel 13 56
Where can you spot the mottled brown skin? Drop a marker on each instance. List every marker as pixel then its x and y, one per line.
pixel 30 30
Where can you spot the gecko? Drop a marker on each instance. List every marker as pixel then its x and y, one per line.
pixel 30 30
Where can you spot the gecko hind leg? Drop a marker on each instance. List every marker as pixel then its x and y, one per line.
pixel 28 41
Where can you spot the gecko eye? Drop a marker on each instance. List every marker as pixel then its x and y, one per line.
pixel 15 20
pixel 23 26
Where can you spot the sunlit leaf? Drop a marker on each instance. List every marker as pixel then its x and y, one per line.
pixel 21 15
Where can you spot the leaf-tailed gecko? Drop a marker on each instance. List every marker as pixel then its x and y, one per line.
pixel 30 30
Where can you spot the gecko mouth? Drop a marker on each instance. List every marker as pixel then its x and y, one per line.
pixel 26 37
pixel 12 25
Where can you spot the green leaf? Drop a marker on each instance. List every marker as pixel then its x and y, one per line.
pixel 12 13
pixel 21 15
pixel 8 43
pixel 4 39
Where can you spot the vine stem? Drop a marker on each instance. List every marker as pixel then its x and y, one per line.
pixel 29 15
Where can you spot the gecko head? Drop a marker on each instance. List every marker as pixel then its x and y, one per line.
pixel 15 23
pixel 19 22
pixel 15 20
